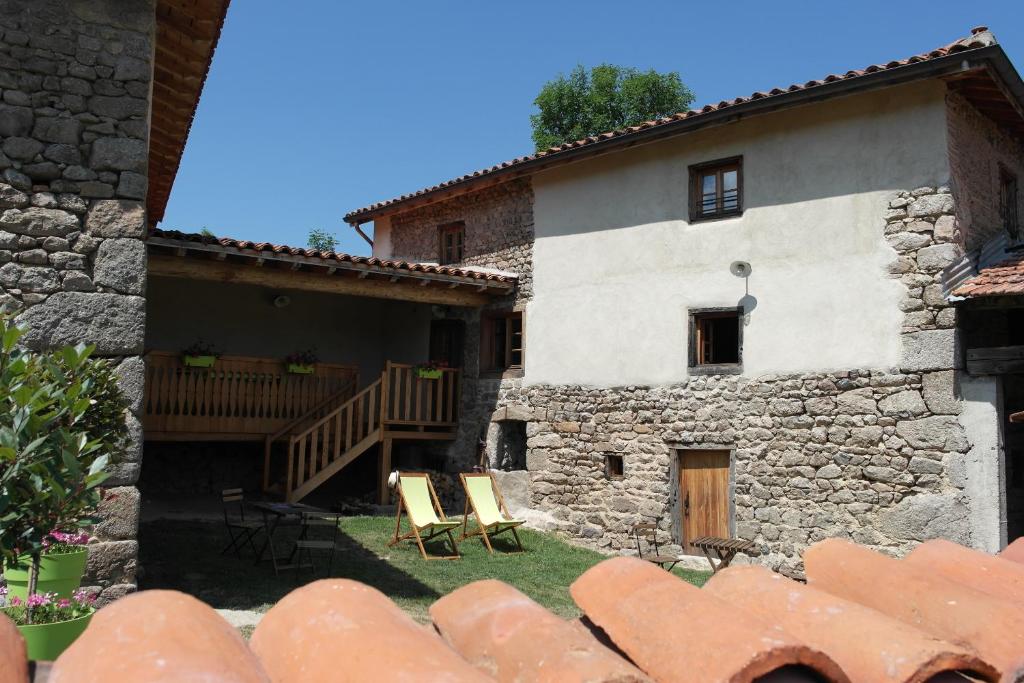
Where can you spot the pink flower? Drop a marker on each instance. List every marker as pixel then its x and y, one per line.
pixel 3 591
pixel 83 597
pixel 63 603
pixel 38 600
pixel 15 601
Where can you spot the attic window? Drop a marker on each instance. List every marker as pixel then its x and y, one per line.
pixel 716 189
pixel 1008 203
pixel 716 340
pixel 453 235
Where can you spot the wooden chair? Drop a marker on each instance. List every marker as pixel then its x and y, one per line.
pixel 240 530
pixel 416 496
pixel 492 516
pixel 306 545
pixel 650 532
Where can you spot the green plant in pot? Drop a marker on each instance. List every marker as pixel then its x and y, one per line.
pixel 60 567
pixel 430 370
pixel 61 417
pixel 200 354
pixel 302 362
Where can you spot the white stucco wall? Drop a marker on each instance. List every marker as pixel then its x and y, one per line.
pixel 617 265
pixel 983 475
pixel 382 237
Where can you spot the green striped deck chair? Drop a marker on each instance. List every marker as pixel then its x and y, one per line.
pixel 492 517
pixel 417 498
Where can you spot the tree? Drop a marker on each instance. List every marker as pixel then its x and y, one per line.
pixel 61 418
pixel 580 105
pixel 321 240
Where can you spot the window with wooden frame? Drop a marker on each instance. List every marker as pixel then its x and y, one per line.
pixel 501 342
pixel 716 189
pixel 716 340
pixel 615 467
pixel 452 238
pixel 1008 203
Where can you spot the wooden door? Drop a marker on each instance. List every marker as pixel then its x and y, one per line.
pixel 704 495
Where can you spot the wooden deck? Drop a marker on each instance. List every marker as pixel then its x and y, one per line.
pixel 399 405
pixel 240 398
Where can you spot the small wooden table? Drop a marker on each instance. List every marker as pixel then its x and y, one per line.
pixel 724 549
pixel 273 515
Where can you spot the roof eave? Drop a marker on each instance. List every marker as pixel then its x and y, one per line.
pixel 965 60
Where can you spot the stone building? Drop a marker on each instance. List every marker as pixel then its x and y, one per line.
pixel 739 320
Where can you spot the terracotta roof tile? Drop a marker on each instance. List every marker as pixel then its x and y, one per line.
pixel 992 627
pixel 509 636
pixel 867 644
pixel 229 243
pixel 667 627
pixel 980 38
pixel 1014 552
pixel 338 630
pixel 996 576
pixel 878 618
pixel 1005 278
pixel 159 637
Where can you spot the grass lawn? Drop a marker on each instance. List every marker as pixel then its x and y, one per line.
pixel 185 555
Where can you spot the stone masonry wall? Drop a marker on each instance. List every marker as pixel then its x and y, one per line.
pixel 499 231
pixel 870 454
pixel 977 149
pixel 74 105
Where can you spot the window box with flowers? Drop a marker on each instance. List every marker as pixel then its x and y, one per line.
pixel 201 354
pixel 431 369
pixel 302 362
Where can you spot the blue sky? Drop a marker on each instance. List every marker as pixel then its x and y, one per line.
pixel 318 107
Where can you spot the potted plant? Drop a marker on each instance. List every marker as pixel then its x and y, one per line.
pixel 60 567
pixel 61 417
pixel 56 622
pixel 431 369
pixel 200 354
pixel 302 362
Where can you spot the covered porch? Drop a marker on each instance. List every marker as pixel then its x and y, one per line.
pixel 373 325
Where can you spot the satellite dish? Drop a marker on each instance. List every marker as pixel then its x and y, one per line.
pixel 281 301
pixel 740 268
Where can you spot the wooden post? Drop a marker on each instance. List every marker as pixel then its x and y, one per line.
pixel 385 469
pixel 266 463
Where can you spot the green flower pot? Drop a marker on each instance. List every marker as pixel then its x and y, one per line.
pixel 45 642
pixel 200 361
pixel 300 369
pixel 59 573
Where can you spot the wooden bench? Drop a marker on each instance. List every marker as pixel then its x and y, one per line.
pixel 723 549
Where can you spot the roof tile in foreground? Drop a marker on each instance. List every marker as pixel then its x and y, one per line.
pixel 999 577
pixel 868 645
pixel 509 636
pixel 677 632
pixel 158 637
pixel 979 38
pixel 1003 279
pixel 953 611
pixel 13 662
pixel 1014 552
pixel 229 243
pixel 342 630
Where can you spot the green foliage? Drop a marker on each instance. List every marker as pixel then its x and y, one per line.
pixel 580 105
pixel 322 240
pixel 206 232
pixel 61 419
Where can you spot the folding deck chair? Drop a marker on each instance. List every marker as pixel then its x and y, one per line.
pixel 417 497
pixel 492 517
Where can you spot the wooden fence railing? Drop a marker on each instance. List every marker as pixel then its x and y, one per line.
pixel 411 400
pixel 238 398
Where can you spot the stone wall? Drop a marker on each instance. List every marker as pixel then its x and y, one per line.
pixel 977 148
pixel 499 231
pixel 75 88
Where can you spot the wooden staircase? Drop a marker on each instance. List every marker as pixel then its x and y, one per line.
pixel 398 405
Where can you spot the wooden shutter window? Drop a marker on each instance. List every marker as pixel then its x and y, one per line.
pixel 1008 203
pixel 501 342
pixel 452 238
pixel 716 340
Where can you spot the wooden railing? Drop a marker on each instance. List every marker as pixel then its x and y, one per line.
pixel 238 398
pixel 332 442
pixel 395 406
pixel 414 401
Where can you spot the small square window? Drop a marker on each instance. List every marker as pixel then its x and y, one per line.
pixel 1008 203
pixel 453 237
pixel 501 342
pixel 716 189
pixel 716 340
pixel 614 466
